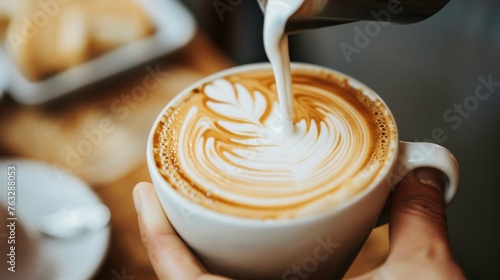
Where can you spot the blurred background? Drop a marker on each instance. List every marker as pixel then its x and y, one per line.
pixel 425 72
pixel 428 73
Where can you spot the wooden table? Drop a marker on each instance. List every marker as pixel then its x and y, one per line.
pixel 115 119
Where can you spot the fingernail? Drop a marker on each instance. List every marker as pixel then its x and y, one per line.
pixel 137 202
pixel 431 178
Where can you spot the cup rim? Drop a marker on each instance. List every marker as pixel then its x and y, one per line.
pixel 243 221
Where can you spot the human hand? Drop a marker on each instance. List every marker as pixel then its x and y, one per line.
pixel 418 232
pixel 420 247
pixel 170 257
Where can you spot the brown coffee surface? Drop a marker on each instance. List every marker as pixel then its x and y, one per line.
pixel 221 147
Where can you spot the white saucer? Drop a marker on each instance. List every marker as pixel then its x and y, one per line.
pixel 41 189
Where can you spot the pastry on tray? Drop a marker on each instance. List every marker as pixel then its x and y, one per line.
pixel 46 40
pixel 5 11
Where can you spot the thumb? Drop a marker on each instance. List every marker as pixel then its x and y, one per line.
pixel 417 215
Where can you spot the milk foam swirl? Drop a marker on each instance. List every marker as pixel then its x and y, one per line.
pixel 222 146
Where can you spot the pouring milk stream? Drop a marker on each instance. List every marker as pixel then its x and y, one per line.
pixel 277 14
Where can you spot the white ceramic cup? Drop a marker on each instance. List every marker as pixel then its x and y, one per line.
pixel 308 247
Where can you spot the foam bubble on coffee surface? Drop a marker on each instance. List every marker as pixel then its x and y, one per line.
pixel 221 146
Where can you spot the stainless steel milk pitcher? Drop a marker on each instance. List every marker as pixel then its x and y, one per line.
pixel 333 12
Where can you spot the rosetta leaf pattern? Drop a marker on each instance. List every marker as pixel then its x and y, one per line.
pixel 239 109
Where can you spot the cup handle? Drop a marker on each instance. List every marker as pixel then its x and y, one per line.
pixel 413 155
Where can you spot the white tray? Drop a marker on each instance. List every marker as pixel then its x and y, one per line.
pixel 175 27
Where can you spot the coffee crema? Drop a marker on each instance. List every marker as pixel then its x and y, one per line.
pixel 222 147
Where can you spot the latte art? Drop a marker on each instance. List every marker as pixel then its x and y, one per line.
pixel 223 148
